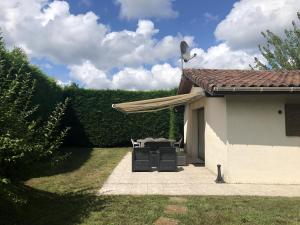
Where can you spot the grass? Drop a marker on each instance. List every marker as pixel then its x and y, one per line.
pixel 241 210
pixel 66 196
pixel 86 171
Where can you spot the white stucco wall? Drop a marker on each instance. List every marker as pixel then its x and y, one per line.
pixel 258 149
pixel 246 135
pixel 190 129
pixel 215 132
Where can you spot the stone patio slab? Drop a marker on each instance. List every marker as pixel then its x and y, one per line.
pixel 166 221
pixel 176 209
pixel 190 180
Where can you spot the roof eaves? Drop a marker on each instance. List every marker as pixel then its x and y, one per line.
pixel 256 89
pixel 205 87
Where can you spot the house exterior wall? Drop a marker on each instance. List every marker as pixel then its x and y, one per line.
pixel 190 129
pixel 246 135
pixel 258 149
pixel 215 132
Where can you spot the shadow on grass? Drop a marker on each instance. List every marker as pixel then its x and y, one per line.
pixel 21 204
pixel 76 157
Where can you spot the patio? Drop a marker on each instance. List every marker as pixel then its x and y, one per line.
pixel 189 180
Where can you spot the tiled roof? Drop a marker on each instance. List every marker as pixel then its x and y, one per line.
pixel 211 80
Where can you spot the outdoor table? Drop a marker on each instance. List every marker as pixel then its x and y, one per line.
pixel 155 147
pixel 171 141
pixel 142 141
pixel 157 140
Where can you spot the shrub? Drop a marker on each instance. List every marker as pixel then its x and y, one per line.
pixel 95 123
pixel 23 140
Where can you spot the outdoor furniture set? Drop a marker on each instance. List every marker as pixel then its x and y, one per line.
pixel 152 153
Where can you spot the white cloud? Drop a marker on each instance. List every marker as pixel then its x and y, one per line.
pixel 48 29
pixel 62 83
pixel 160 76
pixel 222 57
pixel 90 76
pixel 242 27
pixel 137 9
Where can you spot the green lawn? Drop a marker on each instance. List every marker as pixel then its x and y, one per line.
pixel 66 196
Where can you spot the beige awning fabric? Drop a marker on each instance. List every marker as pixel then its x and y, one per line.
pixel 156 104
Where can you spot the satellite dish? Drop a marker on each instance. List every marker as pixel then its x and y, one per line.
pixel 185 52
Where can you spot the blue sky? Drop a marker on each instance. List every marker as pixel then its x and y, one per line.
pixel 134 44
pixel 198 19
pixel 192 20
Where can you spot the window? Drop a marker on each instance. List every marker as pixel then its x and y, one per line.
pixel 292 119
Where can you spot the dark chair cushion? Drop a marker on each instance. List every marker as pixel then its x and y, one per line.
pixel 141 159
pixel 167 165
pixel 167 159
pixel 163 144
pixel 142 165
pixel 141 154
pixel 167 155
pixel 151 144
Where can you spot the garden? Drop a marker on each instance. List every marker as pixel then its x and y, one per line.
pixel 58 145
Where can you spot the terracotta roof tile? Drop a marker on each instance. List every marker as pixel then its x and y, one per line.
pixel 209 79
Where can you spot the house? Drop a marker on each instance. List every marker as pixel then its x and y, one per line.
pixel 247 121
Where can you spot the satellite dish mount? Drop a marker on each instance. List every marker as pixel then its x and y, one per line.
pixel 185 53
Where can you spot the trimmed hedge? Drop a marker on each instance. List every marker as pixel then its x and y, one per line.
pixel 90 116
pixel 94 122
pixel 47 95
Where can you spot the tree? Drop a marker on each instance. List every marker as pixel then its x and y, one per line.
pixel 280 53
pixel 24 140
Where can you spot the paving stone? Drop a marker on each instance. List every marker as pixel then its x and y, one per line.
pixel 192 180
pixel 166 221
pixel 175 209
pixel 178 199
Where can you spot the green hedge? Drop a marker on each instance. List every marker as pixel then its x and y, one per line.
pixel 47 93
pixel 90 116
pixel 94 122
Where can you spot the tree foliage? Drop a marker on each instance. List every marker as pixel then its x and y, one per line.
pixel 24 139
pixel 281 53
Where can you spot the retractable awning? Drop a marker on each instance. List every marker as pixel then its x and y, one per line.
pixel 156 104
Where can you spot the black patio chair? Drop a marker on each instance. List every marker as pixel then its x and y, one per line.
pixel 152 145
pixel 141 159
pixel 167 159
pixel 164 144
